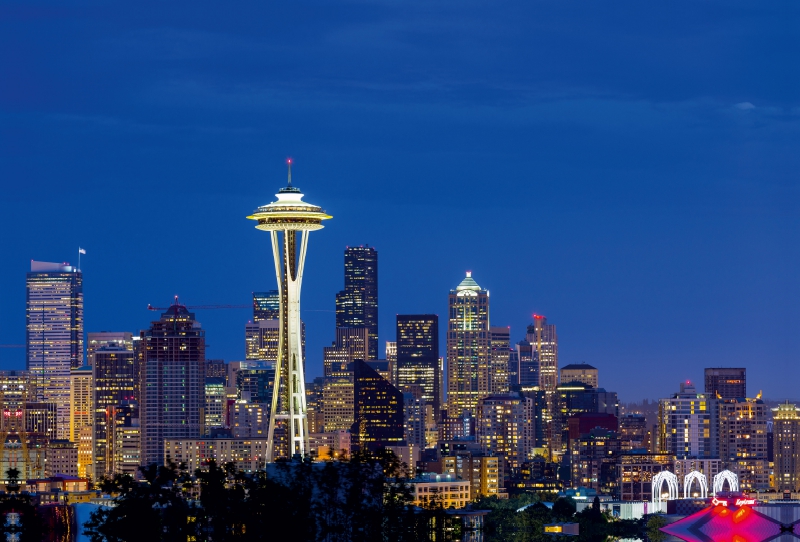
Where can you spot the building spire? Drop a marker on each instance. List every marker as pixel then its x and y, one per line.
pixel 289 164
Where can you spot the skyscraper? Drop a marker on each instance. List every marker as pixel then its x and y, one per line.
pixel 377 409
pixel 417 346
pixel 173 376
pixel 544 351
pixel 467 347
pixel 54 333
pixel 289 221
pixel 726 382
pixel 357 304
pixel 500 352
pixel 116 379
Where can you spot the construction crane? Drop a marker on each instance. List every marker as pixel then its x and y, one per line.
pixel 200 307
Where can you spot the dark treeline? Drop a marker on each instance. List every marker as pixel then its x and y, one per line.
pixel 363 499
pixel 506 523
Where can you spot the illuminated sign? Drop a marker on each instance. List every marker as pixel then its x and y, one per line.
pixel 738 502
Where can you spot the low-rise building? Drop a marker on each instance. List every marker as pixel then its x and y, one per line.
pixel 440 489
pixel 247 454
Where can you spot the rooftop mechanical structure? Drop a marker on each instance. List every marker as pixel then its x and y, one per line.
pixel 289 221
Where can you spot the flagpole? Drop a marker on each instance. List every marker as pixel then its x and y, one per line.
pixel 79 258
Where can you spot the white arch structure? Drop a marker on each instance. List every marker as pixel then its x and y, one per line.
pixel 672 485
pixel 719 481
pixel 701 481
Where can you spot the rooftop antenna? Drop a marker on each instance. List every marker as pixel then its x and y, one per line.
pixel 289 163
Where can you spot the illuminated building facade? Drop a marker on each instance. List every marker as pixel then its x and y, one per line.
pixel 337 401
pixel 743 441
pixel 417 344
pixel 266 306
pixel 289 222
pixel 786 447
pixel 633 432
pixel 499 353
pixel 505 427
pixel 254 381
pixel 215 405
pixel 357 304
pixel 173 377
pixel 439 490
pixel 593 460
pixel 726 382
pixel 98 339
pixel 54 333
pixel 15 392
pixel 246 454
pixel 544 351
pixel 377 410
pixel 688 424
pixel 635 472
pixel 116 379
pixel 580 372
pixel 468 375
pixel 81 411
pixel 249 420
pixel 61 457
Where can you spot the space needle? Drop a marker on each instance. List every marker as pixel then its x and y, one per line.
pixel 289 221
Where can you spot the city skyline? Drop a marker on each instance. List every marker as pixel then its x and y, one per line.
pixel 640 191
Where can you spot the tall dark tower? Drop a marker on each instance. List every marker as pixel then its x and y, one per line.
pixel 418 356
pixel 116 377
pixel 377 409
pixel 173 380
pixel 357 304
pixel 726 382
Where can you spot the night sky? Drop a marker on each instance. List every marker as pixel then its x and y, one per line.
pixel 628 169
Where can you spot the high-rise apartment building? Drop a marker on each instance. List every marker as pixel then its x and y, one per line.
pixel 357 304
pixel 417 344
pixel 116 379
pixel 743 441
pixel 579 372
pixel 266 305
pixel 499 353
pixel 688 424
pixel 505 427
pixel 468 375
pixel 377 410
pixel 786 447
pixel 98 339
pixel 726 382
pixel 54 333
pixel 173 376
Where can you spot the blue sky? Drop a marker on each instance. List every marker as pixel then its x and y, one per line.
pixel 628 170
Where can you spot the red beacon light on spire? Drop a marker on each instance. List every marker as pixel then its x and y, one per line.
pixel 537 316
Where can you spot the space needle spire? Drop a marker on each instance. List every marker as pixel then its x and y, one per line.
pixel 289 221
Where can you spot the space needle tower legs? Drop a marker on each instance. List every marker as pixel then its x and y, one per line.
pixel 289 221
